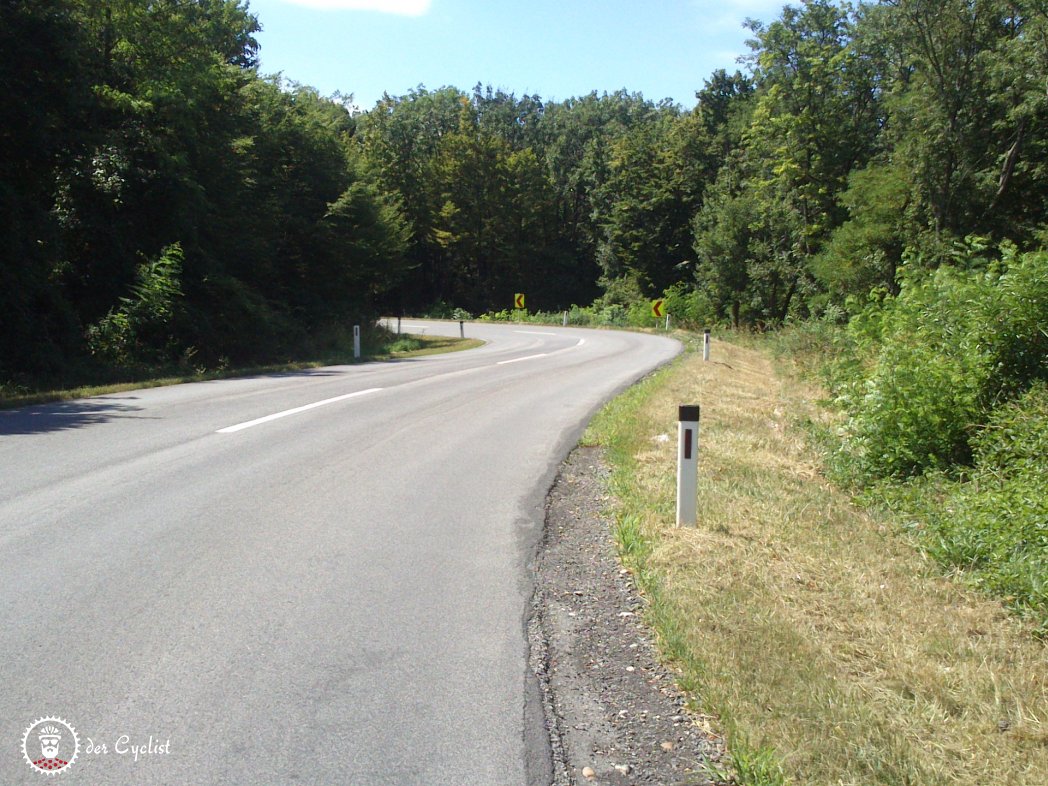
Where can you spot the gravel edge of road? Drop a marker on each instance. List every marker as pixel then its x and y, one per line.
pixel 613 711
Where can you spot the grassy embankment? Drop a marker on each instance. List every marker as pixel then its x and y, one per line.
pixel 396 348
pixel 819 640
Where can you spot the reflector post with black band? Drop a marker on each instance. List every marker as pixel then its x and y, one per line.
pixel 687 465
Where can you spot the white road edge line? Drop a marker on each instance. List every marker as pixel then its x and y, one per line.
pixel 534 333
pixel 295 411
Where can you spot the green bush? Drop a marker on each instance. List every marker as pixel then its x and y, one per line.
pixel 913 413
pixel 1015 327
pixel 924 370
pixel 994 526
pixel 141 329
pixel 689 308
pixel 404 344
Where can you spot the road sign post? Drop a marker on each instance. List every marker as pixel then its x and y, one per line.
pixel 687 465
pixel 518 300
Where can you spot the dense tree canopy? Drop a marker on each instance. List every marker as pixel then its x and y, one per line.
pixel 143 153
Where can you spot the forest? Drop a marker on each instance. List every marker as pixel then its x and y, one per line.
pixel 163 201
pixel 873 176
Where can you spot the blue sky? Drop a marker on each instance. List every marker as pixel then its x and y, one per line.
pixel 555 48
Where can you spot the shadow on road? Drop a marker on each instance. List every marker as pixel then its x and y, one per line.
pixel 63 416
pixel 307 372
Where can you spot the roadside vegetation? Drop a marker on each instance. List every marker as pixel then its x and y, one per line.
pixel 824 638
pixel 165 203
pixel 375 345
pixel 943 402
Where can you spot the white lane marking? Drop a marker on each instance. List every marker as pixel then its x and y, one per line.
pixel 544 354
pixel 568 349
pixel 295 411
pixel 518 360
pixel 325 402
pixel 534 333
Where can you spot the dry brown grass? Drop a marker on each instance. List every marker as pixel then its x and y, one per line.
pixel 812 627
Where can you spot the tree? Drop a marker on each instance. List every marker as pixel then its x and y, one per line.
pixel 657 174
pixel 723 233
pixel 815 119
pixel 865 252
pixel 964 118
pixel 42 53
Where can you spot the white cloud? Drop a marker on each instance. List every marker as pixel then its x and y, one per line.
pixel 400 7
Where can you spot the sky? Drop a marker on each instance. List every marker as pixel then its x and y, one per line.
pixel 556 49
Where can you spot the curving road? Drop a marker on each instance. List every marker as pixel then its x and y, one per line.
pixel 316 577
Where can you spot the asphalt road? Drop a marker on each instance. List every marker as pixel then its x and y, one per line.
pixel 316 577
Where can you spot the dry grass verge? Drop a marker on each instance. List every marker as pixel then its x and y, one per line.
pixel 826 646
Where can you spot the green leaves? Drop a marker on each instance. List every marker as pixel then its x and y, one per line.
pixel 142 328
pixel 994 526
pixel 941 356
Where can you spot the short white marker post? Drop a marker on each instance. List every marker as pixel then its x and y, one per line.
pixel 687 465
pixel 356 341
pixel 565 319
pixel 462 329
pixel 706 344
pixel 667 323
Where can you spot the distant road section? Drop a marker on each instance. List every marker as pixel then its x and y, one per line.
pixel 311 577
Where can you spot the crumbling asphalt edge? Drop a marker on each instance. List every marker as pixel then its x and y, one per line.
pixel 613 712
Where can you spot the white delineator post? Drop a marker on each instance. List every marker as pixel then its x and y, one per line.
pixel 687 465
pixel 356 341
pixel 706 344
pixel 462 329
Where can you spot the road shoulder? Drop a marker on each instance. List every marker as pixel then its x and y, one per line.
pixel 614 713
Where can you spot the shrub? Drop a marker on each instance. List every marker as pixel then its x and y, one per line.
pixel 994 526
pixel 690 308
pixel 141 328
pixel 1015 327
pixel 926 368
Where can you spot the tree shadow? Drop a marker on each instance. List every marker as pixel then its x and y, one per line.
pixel 63 416
pixel 306 372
